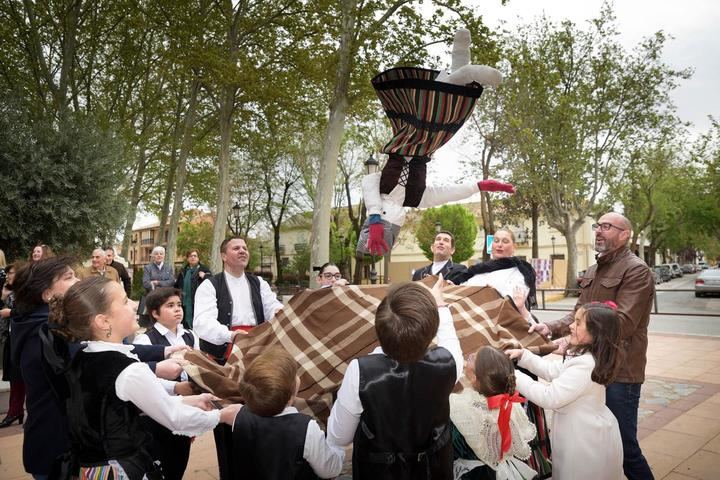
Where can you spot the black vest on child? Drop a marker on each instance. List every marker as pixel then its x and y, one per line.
pixel 270 448
pixel 103 427
pixel 156 338
pixel 403 431
pixel 225 308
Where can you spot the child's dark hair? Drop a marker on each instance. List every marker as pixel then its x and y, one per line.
pixel 494 372
pixel 76 310
pixel 269 382
pixel 603 325
pixel 406 321
pixel 157 297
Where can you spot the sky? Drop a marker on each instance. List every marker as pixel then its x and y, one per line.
pixel 696 44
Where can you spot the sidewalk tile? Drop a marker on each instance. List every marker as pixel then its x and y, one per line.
pixel 693 425
pixel 672 443
pixel 684 372
pixel 661 463
pixel 703 465
pixel 706 410
pixel 677 476
pixel 713 446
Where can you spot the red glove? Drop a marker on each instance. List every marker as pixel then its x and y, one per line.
pixel 495 186
pixel 376 241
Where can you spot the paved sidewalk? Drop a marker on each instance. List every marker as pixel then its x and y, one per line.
pixel 679 423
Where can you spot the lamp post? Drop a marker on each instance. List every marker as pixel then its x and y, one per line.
pixel 552 239
pixel 236 217
pixel 371 166
pixel 438 227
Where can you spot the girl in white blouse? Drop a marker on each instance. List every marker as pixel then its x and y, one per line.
pixel 585 435
pixel 110 388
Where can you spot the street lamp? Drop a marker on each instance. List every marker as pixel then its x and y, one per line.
pixel 371 165
pixel 438 227
pixel 236 217
pixel 552 239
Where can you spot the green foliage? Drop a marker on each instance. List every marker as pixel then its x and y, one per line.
pixel 195 234
pixel 60 187
pixel 456 219
pixel 299 266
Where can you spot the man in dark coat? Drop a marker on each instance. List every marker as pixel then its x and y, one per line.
pixel 122 271
pixel 443 248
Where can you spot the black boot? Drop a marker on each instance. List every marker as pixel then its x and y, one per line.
pixel 10 419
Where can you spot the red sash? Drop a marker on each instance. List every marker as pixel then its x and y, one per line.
pixel 244 328
pixel 504 403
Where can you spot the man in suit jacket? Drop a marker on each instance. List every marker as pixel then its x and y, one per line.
pixel 443 248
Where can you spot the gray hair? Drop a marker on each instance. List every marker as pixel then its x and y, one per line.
pixel 159 248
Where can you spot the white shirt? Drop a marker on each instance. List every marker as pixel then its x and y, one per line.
pixel 390 206
pixel 346 411
pixel 205 321
pixel 504 281
pixel 326 460
pixel 173 338
pixel 437 266
pixel 137 384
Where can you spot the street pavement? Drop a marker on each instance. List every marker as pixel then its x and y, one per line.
pixel 679 423
pixel 669 300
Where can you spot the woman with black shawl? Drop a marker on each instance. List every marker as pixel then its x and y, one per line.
pixel 514 278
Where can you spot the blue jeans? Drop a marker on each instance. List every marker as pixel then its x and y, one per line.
pixel 623 400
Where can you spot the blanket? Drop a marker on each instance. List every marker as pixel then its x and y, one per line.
pixel 325 329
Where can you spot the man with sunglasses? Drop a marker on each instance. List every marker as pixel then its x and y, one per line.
pixel 619 276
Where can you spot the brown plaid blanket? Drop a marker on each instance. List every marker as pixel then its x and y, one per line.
pixel 325 329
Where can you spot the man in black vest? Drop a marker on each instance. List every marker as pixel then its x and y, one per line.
pixel 226 305
pixel 231 302
pixel 442 248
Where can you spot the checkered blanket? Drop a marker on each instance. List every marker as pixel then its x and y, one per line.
pixel 325 329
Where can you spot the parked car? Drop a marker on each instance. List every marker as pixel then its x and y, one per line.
pixel 688 268
pixel 676 269
pixel 673 273
pixel 657 273
pixel 663 271
pixel 707 282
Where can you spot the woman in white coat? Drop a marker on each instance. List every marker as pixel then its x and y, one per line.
pixel 585 435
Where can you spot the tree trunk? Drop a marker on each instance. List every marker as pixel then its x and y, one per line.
pixel 223 195
pixel 172 168
pixel 320 235
pixel 535 217
pixel 132 211
pixel 181 175
pixel 569 232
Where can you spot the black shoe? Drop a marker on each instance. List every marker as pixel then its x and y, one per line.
pixel 10 419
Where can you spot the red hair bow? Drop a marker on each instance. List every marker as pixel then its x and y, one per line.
pixel 504 402
pixel 609 303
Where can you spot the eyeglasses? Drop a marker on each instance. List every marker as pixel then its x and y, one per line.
pixel 329 276
pixel 605 227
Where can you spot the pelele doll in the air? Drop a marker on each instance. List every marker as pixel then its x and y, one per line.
pixel 425 108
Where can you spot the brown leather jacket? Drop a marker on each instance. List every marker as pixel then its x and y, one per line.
pixel 626 280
